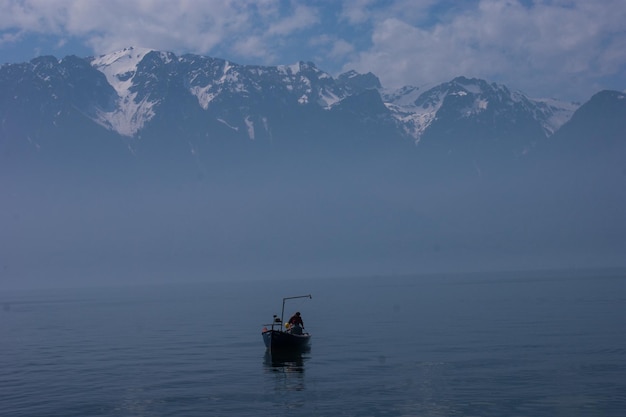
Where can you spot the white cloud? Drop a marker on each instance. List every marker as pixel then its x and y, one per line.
pixel 548 46
pixel 302 17
pixel 7 38
pixel 332 48
pixel 364 11
pixel 356 11
pixel 189 25
pixel 253 46
pixel 341 49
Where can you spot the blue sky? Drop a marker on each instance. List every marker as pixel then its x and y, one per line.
pixel 567 49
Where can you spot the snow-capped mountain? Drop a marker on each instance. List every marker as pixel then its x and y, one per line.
pixel 212 81
pixel 133 107
pixel 241 98
pixel 474 101
pixel 140 94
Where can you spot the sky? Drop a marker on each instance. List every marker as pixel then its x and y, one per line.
pixel 565 49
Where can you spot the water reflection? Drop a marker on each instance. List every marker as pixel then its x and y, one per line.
pixel 285 361
pixel 287 369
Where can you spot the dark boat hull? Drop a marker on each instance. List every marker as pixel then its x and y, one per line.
pixel 279 340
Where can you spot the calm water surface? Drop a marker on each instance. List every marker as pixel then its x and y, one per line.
pixel 541 344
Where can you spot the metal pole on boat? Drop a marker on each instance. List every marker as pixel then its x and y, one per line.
pixel 282 313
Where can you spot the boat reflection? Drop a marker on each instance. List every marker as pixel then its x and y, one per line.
pixel 285 361
pixel 286 370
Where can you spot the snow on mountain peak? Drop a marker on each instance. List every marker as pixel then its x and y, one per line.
pixel 413 108
pixel 404 97
pixel 120 68
pixel 292 69
pixel 416 109
pixel 556 112
pixel 470 86
pixel 328 99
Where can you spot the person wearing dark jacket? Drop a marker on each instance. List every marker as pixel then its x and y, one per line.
pixel 296 323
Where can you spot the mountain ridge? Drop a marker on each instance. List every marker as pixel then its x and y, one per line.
pixel 156 103
pixel 141 77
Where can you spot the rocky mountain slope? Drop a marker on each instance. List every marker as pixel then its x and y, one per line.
pixel 139 93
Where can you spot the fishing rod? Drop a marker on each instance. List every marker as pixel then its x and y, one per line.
pixel 282 313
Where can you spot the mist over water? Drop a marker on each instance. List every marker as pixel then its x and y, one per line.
pixel 258 213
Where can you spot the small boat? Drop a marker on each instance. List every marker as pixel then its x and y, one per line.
pixel 294 338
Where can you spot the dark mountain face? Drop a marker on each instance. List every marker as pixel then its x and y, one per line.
pixel 146 163
pixel 138 93
pixel 475 114
pixel 588 155
pixel 356 82
pixel 45 94
pixel 597 125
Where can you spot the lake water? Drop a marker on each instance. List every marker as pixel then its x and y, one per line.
pixel 540 344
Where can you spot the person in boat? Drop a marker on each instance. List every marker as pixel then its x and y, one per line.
pixel 296 324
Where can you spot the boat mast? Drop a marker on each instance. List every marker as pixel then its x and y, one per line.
pixel 282 313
